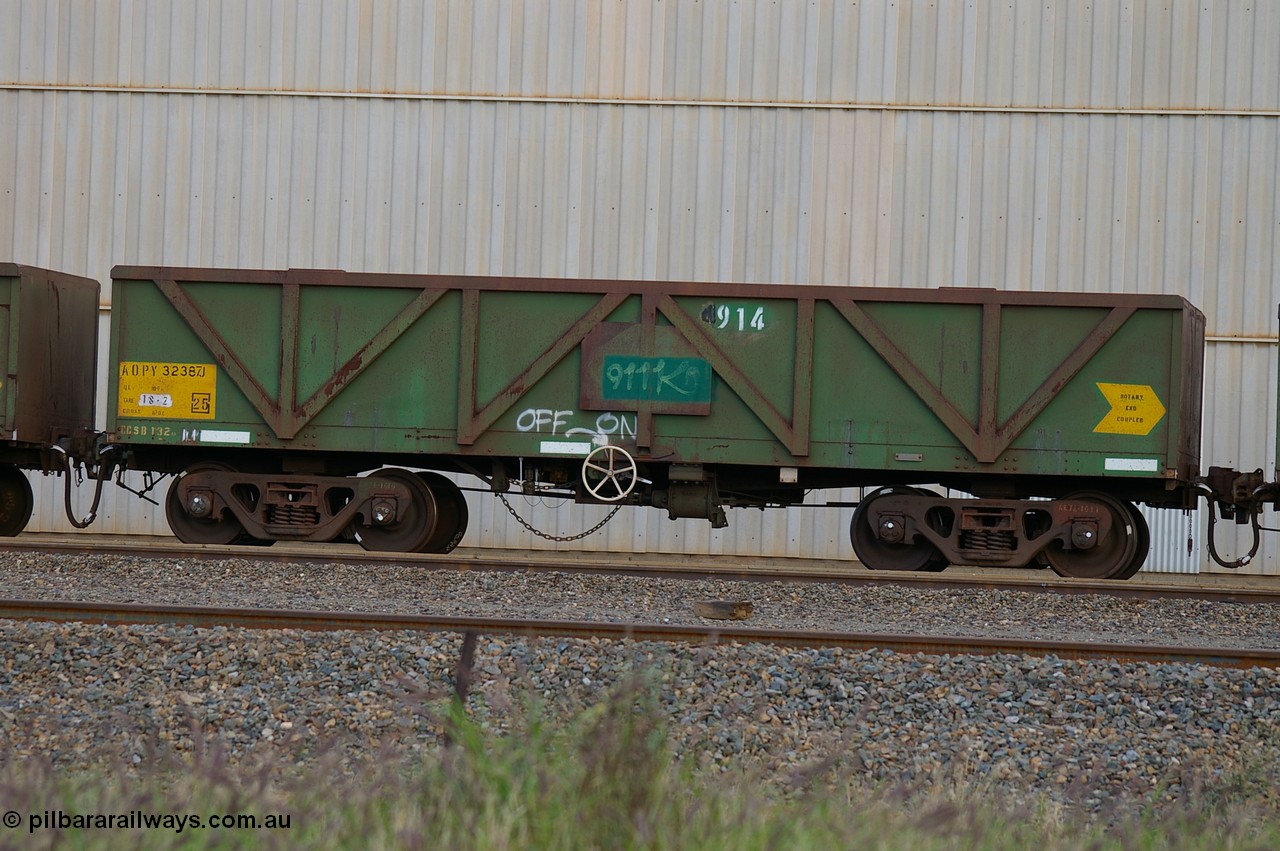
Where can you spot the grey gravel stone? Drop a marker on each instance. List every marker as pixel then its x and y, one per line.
pixel 1091 732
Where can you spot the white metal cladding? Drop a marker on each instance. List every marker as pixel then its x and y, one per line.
pixel 1143 54
pixel 1024 146
pixel 1059 202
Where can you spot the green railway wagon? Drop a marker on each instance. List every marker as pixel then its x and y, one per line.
pixel 294 404
pixel 48 343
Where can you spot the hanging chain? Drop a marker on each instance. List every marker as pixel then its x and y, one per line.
pixel 559 538
pixel 1191 547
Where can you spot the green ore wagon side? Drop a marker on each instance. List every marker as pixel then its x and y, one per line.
pixel 269 391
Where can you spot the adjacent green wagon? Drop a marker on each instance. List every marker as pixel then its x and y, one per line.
pixel 48 343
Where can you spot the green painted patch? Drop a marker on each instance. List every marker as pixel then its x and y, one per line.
pixel 656 379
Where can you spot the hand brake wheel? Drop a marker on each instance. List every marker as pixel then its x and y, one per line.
pixel 609 473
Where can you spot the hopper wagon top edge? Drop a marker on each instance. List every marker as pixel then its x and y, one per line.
pixel 268 391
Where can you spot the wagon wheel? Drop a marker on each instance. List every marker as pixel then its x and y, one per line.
pixel 222 529
pixel 609 473
pixel 416 523
pixel 1113 558
pixel 1142 541
pixel 452 524
pixel 16 500
pixel 876 554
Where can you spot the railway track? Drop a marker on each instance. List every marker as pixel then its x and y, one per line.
pixel 207 616
pixel 1214 587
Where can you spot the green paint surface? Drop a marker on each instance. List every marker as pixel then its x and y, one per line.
pixel 656 379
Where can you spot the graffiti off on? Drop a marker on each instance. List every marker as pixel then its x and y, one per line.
pixel 566 433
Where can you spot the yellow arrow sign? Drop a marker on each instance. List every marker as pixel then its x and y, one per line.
pixel 1135 409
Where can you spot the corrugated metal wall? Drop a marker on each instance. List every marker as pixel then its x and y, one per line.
pixel 1055 146
pixel 1142 54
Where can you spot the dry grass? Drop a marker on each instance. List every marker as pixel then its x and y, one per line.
pixel 605 780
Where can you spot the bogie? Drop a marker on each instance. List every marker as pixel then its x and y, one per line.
pixel 1087 535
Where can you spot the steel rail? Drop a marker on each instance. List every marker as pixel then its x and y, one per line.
pixel 122 614
pixel 712 568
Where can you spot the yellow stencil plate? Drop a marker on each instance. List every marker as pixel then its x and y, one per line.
pixel 1135 409
pixel 175 391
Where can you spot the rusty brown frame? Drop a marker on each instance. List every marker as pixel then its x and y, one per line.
pixel 793 432
pixel 287 417
pixel 989 438
pixel 474 420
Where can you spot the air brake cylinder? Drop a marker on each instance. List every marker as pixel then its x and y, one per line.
pixel 697 500
pixel 692 493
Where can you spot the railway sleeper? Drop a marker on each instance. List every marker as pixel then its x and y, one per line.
pixel 290 507
pixel 1089 535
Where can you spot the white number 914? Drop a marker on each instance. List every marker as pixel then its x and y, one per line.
pixel 726 314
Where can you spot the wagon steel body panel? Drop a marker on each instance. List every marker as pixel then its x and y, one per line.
pixel 48 343
pixel 1000 392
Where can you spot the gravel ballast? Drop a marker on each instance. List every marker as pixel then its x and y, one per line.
pixel 1089 731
